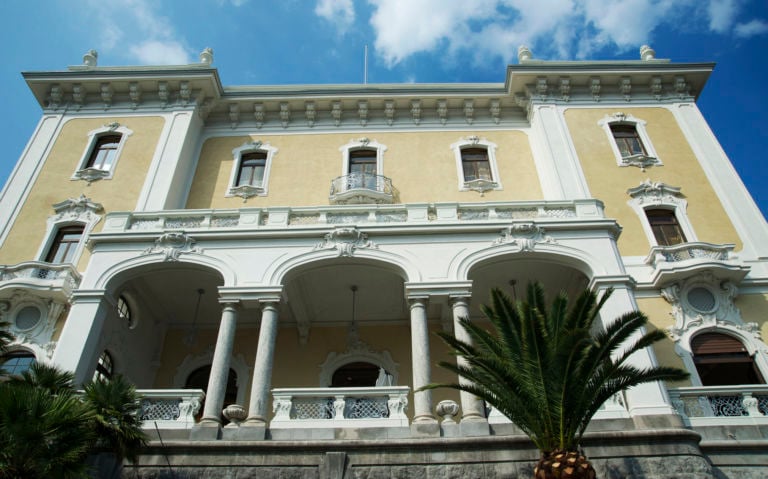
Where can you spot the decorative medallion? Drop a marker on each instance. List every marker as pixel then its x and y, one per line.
pixel 346 241
pixel 525 235
pixel 172 245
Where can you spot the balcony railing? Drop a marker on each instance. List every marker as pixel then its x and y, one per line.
pixel 321 216
pixel 170 408
pixel 340 407
pixel 54 277
pixel 717 405
pixel 614 408
pixel 688 251
pixel 361 188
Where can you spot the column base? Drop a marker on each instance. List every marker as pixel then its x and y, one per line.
pixel 474 427
pixel 205 430
pixel 253 429
pixel 425 428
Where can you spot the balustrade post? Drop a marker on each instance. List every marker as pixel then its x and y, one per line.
pixel 750 404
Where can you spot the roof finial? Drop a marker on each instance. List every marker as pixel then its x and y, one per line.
pixel 524 54
pixel 206 56
pixel 647 53
pixel 90 58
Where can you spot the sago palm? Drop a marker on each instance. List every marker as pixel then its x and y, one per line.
pixel 550 369
pixel 116 406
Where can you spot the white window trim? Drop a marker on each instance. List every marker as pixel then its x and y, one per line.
pixel 69 212
pixel 334 361
pixel 641 161
pixel 363 144
pixel 93 174
pixel 477 185
pixel 246 191
pixel 658 195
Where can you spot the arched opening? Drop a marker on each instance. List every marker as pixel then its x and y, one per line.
pixel 198 379
pixel 357 374
pixel 17 362
pixel 722 360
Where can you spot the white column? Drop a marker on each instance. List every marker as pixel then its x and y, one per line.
pixel 422 400
pixel 649 398
pixel 77 349
pixel 472 407
pixel 262 369
pixel 217 382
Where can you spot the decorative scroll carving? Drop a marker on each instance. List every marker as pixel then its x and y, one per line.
pixel 336 112
pixel 234 114
pixel 285 114
pixel 80 209
pixel 442 111
pixel 389 111
pixel 134 92
pixel 362 112
pixel 495 110
pixel 525 235
pixel 416 111
pixel 258 114
pixel 469 111
pixel 346 241
pixel 310 112
pixel 654 193
pixel 172 245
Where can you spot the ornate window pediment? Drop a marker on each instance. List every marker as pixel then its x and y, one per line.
pixel 651 196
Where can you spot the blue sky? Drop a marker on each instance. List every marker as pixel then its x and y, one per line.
pixel 423 41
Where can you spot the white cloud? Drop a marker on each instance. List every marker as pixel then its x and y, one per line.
pixel 139 30
pixel 722 13
pixel 155 52
pixel 339 12
pixel 552 28
pixel 751 28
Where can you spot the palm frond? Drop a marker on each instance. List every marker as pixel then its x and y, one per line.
pixel 549 370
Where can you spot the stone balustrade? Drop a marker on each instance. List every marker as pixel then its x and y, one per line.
pixel 39 273
pixel 718 405
pixel 412 213
pixel 340 407
pixel 170 408
pixel 614 408
pixel 688 251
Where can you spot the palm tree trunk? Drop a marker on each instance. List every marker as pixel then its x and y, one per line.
pixel 561 464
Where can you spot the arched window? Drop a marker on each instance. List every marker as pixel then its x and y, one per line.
pixel 105 368
pixel 102 152
pixel 723 360
pixel 357 374
pixel 629 140
pixel 250 172
pixel 476 164
pixel 17 362
pixel 198 379
pixel 362 168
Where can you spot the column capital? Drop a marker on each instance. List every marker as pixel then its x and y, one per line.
pixel 417 300
pixel 458 299
pixel 251 296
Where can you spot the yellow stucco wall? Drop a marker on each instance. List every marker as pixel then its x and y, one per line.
pixel 54 183
pixel 609 182
pixel 297 365
pixel 754 309
pixel 659 317
pixel 422 167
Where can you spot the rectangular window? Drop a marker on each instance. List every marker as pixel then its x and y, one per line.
pixel 104 152
pixel 475 164
pixel 252 167
pixel 362 169
pixel 64 245
pixel 628 140
pixel 665 227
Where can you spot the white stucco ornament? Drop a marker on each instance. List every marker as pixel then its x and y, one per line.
pixel 172 245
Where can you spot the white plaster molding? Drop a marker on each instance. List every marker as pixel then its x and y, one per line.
pixel 172 245
pixel 246 191
pixel 640 161
pixel 524 235
pixel 479 185
pixel 38 335
pixel 346 241
pixel 363 143
pixel 660 195
pixel 92 174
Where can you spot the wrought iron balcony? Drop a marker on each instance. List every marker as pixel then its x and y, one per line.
pixel 361 188
pixel 54 279
pixel 689 251
pixel 717 405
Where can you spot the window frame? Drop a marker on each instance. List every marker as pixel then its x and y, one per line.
pixel 70 212
pixel 481 185
pixel 240 153
pixel 58 240
pixel 17 354
pixel 657 196
pixel 656 226
pixel 102 372
pixel 90 173
pixel 362 144
pixel 649 158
